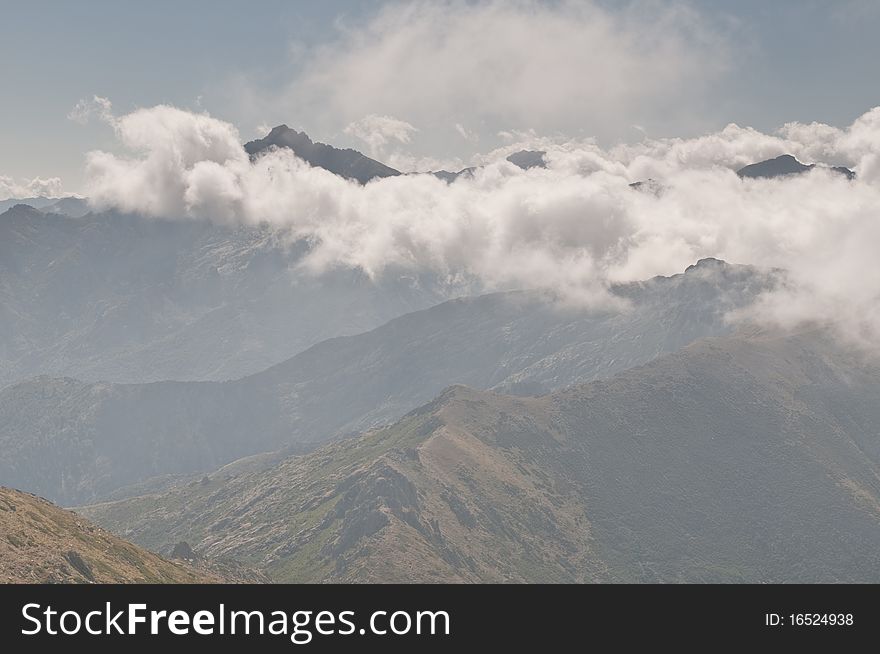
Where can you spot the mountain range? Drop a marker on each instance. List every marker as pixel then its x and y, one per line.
pixel 745 458
pixel 194 391
pixel 75 442
pixel 68 206
pixel 128 299
pixel 355 165
pixel 131 299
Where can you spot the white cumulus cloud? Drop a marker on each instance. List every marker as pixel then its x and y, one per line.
pixel 505 65
pixel 37 187
pixel 575 227
pixel 378 131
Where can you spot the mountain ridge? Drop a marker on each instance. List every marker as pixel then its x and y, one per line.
pixel 526 343
pixel 746 458
pixel 133 299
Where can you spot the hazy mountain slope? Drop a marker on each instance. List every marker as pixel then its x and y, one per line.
pixel 347 163
pixel 40 543
pixel 736 459
pixel 74 442
pixel 70 206
pixel 128 299
pixel 526 343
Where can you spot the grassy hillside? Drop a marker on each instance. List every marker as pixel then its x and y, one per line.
pixel 41 543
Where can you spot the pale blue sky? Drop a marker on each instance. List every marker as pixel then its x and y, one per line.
pixel 784 60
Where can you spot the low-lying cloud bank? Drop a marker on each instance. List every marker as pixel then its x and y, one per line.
pixel 575 227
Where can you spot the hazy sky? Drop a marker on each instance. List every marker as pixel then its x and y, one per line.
pixel 411 82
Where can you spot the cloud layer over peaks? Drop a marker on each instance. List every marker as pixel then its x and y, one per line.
pixel 462 70
pixel 574 227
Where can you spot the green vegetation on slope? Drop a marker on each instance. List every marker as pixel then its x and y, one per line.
pixel 752 458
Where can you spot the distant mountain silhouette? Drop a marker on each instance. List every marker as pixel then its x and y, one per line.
pixel 347 163
pixel 784 165
pixel 352 164
pixel 68 206
pixel 448 176
pixel 526 159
